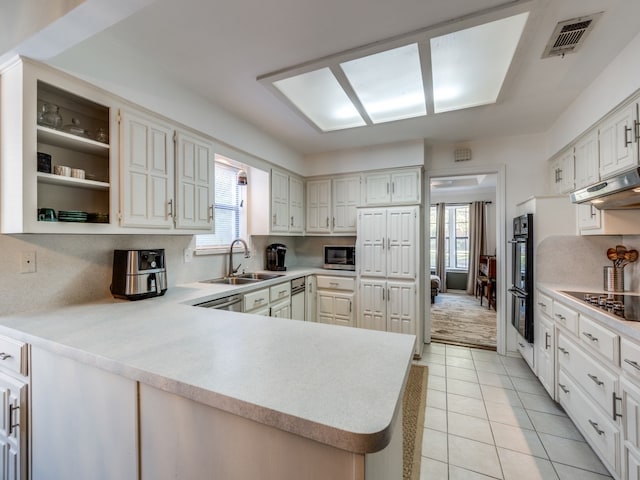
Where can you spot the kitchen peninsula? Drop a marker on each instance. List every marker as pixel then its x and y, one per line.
pixel 161 389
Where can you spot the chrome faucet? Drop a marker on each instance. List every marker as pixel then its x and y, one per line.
pixel 233 271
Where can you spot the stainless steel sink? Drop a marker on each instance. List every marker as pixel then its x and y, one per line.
pixel 232 280
pixel 260 276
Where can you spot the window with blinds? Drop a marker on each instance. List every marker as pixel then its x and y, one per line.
pixel 228 214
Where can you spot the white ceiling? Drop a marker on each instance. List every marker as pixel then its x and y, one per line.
pixel 219 48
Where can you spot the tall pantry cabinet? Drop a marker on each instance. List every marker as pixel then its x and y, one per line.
pixel 389 270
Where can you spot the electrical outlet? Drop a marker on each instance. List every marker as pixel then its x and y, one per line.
pixel 188 255
pixel 28 262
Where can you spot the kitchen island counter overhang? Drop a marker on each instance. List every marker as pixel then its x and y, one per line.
pixel 339 386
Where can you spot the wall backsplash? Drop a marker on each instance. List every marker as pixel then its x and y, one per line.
pixel 74 269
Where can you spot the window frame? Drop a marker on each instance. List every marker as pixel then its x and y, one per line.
pixel 243 220
pixel 450 237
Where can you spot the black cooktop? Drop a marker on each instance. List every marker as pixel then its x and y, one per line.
pixel 626 307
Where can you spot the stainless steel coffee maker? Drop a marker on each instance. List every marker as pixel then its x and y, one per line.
pixel 138 274
pixel 275 256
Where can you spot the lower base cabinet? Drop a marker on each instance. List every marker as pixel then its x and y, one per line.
pixel 13 431
pixel 335 301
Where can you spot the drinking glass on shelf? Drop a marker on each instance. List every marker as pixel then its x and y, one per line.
pixel 50 116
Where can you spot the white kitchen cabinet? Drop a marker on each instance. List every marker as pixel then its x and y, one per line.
pixel 393 187
pixel 335 300
pixel 25 86
pixel 195 180
pixel 346 199
pixel 388 246
pixel 14 409
pixel 592 221
pixel 296 205
pixel 587 160
pixel 545 351
pixel 562 171
pixel 279 201
pixel 388 240
pixel 281 309
pixel 619 141
pixel 147 164
pixel 318 206
pixel 589 218
pixel 311 309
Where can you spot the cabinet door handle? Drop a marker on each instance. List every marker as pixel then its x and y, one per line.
pixel 546 341
pixel 292 220
pixel 211 207
pixel 4 356
pixel 627 138
pixel 636 127
pixel 383 294
pixel 275 219
pixel 334 222
pixel 170 208
pixel 563 388
pixel 12 424
pixel 563 350
pixel 590 337
pixel 595 379
pixel 327 222
pixel 595 427
pixel 387 187
pixel 633 363
pixel 393 187
pixel 349 306
pixel 616 415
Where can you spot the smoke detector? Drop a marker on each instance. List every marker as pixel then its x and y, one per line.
pixel 569 35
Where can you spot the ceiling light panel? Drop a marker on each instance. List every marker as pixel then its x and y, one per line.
pixel 469 66
pixel 321 98
pixel 388 84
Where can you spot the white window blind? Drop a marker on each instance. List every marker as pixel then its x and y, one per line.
pixel 228 209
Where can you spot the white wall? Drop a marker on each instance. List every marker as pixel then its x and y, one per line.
pixel 401 154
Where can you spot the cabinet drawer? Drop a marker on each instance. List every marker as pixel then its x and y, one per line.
pixel 600 432
pixel 280 292
pixel 526 350
pixel 565 317
pixel 594 378
pixel 545 304
pixel 630 357
pixel 13 356
pixel 257 299
pixel 336 283
pixel 600 339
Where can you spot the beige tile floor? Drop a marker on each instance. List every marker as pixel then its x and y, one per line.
pixel 487 416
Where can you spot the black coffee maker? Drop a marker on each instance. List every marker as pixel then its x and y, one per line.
pixel 275 256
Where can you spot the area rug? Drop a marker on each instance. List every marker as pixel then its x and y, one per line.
pixel 457 318
pixel 413 405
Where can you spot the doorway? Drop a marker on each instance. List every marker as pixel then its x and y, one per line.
pixel 456 307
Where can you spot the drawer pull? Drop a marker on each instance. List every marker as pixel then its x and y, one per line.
pixel 561 317
pixel 563 388
pixel 521 344
pixel 590 337
pixel 4 356
pixel 595 379
pixel 596 428
pixel 258 300
pixel 543 305
pixel 615 406
pixel 333 284
pixel 633 363
pixel 564 350
pixel 282 292
pixel 12 425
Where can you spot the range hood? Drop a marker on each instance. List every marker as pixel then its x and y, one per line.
pixel 618 193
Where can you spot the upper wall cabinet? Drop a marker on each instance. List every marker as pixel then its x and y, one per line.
pixel 276 203
pixel 618 134
pixel 167 175
pixel 562 171
pixel 57 161
pixel 587 160
pixel 393 187
pixel 332 204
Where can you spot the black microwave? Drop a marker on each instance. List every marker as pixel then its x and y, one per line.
pixel 340 257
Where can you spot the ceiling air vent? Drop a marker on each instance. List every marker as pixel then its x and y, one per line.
pixel 569 35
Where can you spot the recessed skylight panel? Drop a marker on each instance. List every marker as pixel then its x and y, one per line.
pixel 469 66
pixel 388 84
pixel 321 98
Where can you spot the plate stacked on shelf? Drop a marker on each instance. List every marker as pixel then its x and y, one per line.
pixel 72 216
pixel 98 217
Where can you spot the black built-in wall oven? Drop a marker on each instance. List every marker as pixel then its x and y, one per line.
pixel 522 279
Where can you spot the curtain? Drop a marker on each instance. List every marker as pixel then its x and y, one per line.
pixel 477 242
pixel 440 238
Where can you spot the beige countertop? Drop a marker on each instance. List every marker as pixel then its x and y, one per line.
pixel 337 385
